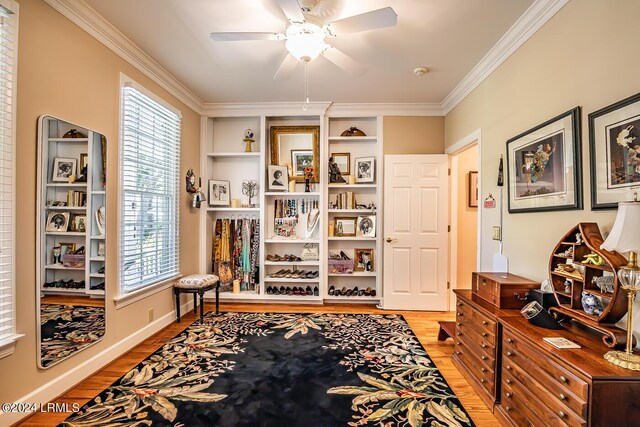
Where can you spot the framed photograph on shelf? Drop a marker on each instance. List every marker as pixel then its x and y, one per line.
pixel 472 197
pixel 219 193
pixel 365 169
pixel 278 178
pixel 66 248
pixel 63 168
pixel 366 226
pixel 301 159
pixel 102 249
pixel 344 226
pixel 58 221
pixel 84 161
pixel 79 223
pixel 544 170
pixel 363 260
pixel 614 134
pixel 343 160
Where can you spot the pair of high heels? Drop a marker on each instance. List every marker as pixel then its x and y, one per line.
pixel 341 255
pixel 299 291
pixel 284 258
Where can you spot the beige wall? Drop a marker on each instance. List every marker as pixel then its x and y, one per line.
pixel 64 72
pixel 582 56
pixel 413 135
pixel 467 223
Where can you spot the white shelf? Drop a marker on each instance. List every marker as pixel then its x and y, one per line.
pixel 66 208
pixel 97 259
pixel 295 241
pixel 66 184
pixel 352 298
pixel 224 209
pixel 253 154
pixel 68 139
pixel 293 263
pixel 297 298
pixel 292 193
pixel 353 139
pixel 354 274
pixel 291 280
pixel 98 193
pixel 241 295
pixel 61 267
pixel 364 211
pixel 331 186
pixel 66 233
pixel 97 237
pixel 65 290
pixel 101 275
pixel 95 292
pixel 346 239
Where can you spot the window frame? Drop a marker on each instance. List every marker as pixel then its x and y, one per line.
pixel 123 298
pixel 7 344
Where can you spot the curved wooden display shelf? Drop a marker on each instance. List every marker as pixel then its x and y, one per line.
pixel 570 304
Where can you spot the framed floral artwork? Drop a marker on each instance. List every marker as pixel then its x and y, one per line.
pixel 614 148
pixel 544 169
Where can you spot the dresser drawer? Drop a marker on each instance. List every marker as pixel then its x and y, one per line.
pixel 487 290
pixel 483 374
pixel 472 318
pixel 482 348
pixel 570 409
pixel 515 401
pixel 552 376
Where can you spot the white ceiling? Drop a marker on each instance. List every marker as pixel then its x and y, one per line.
pixel 448 36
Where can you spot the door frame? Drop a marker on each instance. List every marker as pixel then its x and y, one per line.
pixel 474 137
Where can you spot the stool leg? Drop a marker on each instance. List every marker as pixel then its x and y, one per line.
pixel 217 301
pixel 177 294
pixel 201 293
pixel 195 304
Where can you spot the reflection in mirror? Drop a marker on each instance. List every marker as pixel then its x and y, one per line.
pixel 71 255
pixel 296 147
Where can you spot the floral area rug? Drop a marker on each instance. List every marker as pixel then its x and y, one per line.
pixel 268 369
pixel 65 329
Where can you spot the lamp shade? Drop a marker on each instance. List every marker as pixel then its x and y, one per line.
pixel 625 234
pixel 305 41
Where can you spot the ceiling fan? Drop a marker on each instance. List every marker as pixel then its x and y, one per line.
pixel 305 35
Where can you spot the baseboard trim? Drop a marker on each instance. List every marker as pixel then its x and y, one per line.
pixel 55 388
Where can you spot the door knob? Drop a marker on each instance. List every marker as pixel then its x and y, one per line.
pixel 390 239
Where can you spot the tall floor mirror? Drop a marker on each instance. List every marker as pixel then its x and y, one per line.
pixel 71 255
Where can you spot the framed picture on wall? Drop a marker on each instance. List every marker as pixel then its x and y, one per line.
pixel 219 193
pixel 614 148
pixel 63 168
pixel 58 221
pixel 472 196
pixel 365 169
pixel 366 226
pixel 544 170
pixel 301 159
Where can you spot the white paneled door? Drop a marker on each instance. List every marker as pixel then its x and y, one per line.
pixel 416 213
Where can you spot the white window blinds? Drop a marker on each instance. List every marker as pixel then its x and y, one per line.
pixel 8 53
pixel 150 162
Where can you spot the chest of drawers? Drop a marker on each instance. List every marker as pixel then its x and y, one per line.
pixel 542 385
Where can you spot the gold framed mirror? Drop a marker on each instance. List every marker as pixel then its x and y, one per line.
pixel 296 147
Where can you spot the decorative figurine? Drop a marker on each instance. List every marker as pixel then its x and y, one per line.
pixel 605 283
pixel 579 240
pixel 594 259
pixel 335 176
pixel 57 255
pixel 248 140
pixel 250 189
pixel 308 179
pixel 353 131
pixel 591 304
pixel 567 286
pixel 190 180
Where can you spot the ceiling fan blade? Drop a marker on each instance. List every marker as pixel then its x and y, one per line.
pixel 380 18
pixel 241 36
pixel 343 61
pixel 286 68
pixel 292 10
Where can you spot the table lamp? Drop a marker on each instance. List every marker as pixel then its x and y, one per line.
pixel 625 237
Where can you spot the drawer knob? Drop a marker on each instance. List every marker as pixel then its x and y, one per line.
pixel 509 354
pixel 482 380
pixel 563 397
pixel 459 324
pixel 484 282
pixel 508 381
pixel 484 346
pixel 509 395
pixel 485 323
pixel 562 414
pixel 508 368
pixel 460 314
pixel 458 353
pixel 509 340
pixel 459 343
pixel 484 357
pixel 459 333
pixel 563 379
pixel 459 304
pixel 484 369
pixel 484 334
pixel 508 408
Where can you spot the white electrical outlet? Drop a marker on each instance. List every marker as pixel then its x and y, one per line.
pixel 497 235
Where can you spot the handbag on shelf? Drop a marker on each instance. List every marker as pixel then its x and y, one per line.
pixel 310 252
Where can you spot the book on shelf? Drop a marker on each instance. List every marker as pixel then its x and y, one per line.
pixel 76 198
pixel 346 200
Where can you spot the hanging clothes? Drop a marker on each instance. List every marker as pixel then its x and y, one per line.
pixel 236 246
pixel 255 252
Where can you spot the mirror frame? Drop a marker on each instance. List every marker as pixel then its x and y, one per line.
pixel 274 142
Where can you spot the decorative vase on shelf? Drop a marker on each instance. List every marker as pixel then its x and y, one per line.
pixel 307 186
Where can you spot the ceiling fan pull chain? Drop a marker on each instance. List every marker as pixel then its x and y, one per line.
pixel 306 86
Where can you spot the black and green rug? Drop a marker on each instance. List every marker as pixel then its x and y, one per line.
pixel 268 369
pixel 66 329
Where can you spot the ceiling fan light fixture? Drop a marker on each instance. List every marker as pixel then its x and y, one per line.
pixel 305 41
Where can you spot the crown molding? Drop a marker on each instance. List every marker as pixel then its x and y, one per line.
pixel 84 16
pixel 526 26
pixel 338 109
pixel 238 109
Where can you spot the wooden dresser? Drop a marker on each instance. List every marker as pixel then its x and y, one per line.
pixel 542 385
pixel 476 340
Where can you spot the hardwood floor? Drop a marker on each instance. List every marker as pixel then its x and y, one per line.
pixel 424 325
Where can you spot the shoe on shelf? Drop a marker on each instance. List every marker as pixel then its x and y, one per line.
pixel 313 274
pixel 101 271
pixel 282 290
pixel 333 255
pixel 360 292
pixel 278 274
pixel 271 258
pixel 289 291
pixel 373 292
pixel 349 292
pixel 309 290
pixel 367 292
pixel 332 290
pixel 344 256
pixel 355 292
pixel 316 291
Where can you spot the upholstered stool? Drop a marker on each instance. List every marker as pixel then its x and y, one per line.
pixel 196 284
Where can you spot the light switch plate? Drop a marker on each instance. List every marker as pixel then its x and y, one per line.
pixel 497 235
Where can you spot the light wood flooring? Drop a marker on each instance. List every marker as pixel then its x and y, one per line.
pixel 424 325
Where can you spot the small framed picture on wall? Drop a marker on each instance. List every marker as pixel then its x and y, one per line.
pixel 365 169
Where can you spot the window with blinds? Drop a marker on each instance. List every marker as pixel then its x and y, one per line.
pixel 150 162
pixel 8 62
